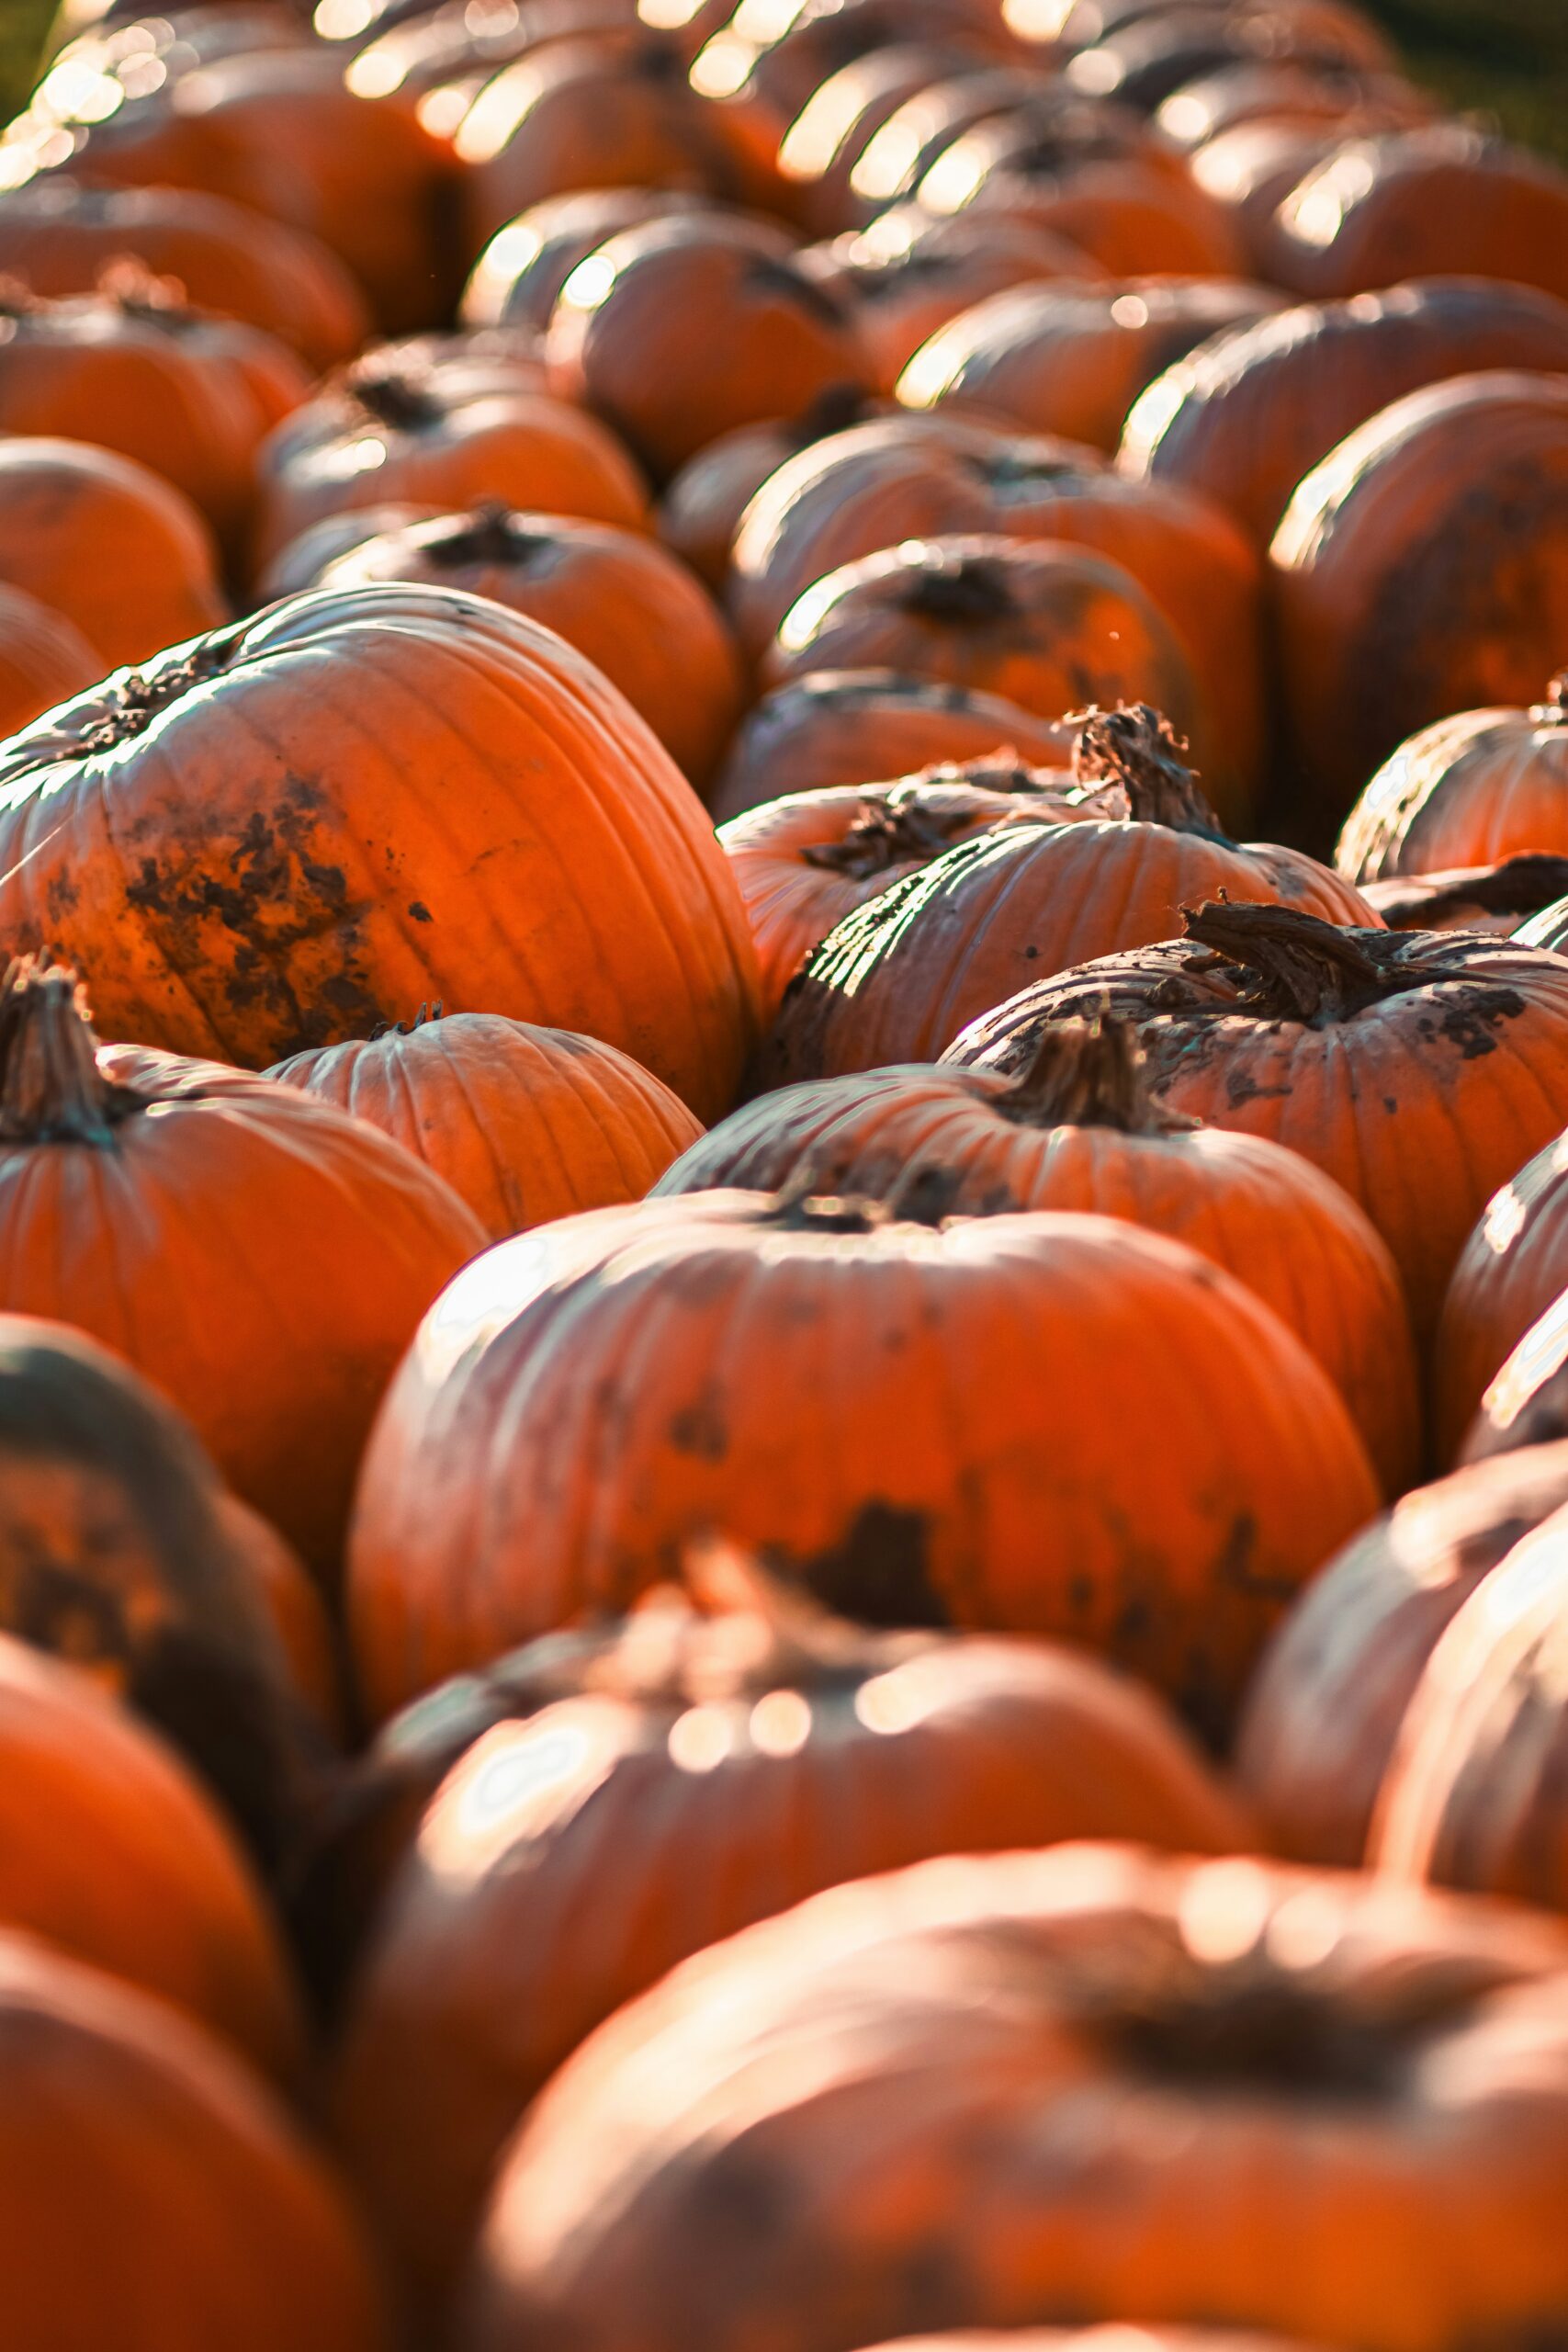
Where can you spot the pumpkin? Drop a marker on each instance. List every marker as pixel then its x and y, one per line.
pixel 111 549
pixel 898 158
pixel 440 437
pixel 1246 416
pixel 781 1748
pixel 1526 1405
pixel 1250 169
pixel 844 728
pixel 818 153
pixel 1419 1070
pixel 804 861
pixel 1350 101
pixel 1474 1793
pixel 525 1125
pixel 1441 200
pixel 703 501
pixel 1454 503
pixel 1142 64
pixel 898 977
pixel 606 111
pixel 620 338
pixel 1513 1268
pixel 213 2222
pixel 909 274
pixel 1322 1714
pixel 292 1603
pixel 1045 625
pixel 1079 1130
pixel 435 59
pixel 128 367
pixel 1487 786
pixel 112 1853
pixel 951 2047
pixel 615 909
pixel 632 609
pixel 44 658
pixel 859 1322
pixel 297 566
pixel 57 237
pixel 1473 898
pixel 881 485
pixel 518 279
pixel 1072 358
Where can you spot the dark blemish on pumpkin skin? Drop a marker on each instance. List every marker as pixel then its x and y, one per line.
pixel 698 1429
pixel 419 910
pixel 880 1572
pixel 1240 1088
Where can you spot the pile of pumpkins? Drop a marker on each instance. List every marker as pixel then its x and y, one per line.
pixel 784 1185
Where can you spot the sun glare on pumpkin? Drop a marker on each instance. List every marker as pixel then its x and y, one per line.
pixel 1224 1911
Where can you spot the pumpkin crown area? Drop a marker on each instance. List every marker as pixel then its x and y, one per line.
pixel 892 831
pixel 1289 966
pixel 777 278
pixel 962 592
pixel 424 1019
pixel 490 533
pixel 51 1090
pixel 392 395
pixel 1136 748
pixel 834 410
pixel 1088 1074
pixel 134 700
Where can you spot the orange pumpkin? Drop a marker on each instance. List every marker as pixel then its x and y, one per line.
pixel 44 658
pixel 1419 1070
pixel 633 610
pixel 1441 200
pixel 1322 1714
pixel 1245 418
pixel 900 977
pixel 804 861
pixel 435 59
pixel 299 565
pixel 819 151
pixel 1250 169
pixel 392 431
pixel 357 1242
pixel 1079 1130
pixel 1513 1269
pixel 1526 1405
pixel 781 1750
pixel 885 179
pixel 58 236
pixel 1451 502
pixel 112 549
pixel 1487 786
pixel 292 1603
pixel 1047 626
pixel 1495 898
pixel 838 727
pixel 518 279
pixel 1142 61
pixel 620 338
pixel 1130 2050
pixel 213 2222
pixel 1344 100
pixel 859 1322
pixel 112 1853
pixel 703 501
pixel 526 1125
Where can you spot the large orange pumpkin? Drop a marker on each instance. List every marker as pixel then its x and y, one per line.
pixel 977 1501
pixel 1247 415
pixel 1513 1269
pixel 1451 507
pixel 896 159
pixel 111 547
pixel 44 658
pixel 839 728
pixel 1419 1070
pixel 1250 169
pixel 111 1852
pixel 761 1753
pixel 632 609
pixel 1323 1712
pixel 213 2222
pixel 996 2090
pixel 1079 1130
pixel 518 279
pixel 1474 790
pixel 249 906
pixel 526 1125
pixel 898 977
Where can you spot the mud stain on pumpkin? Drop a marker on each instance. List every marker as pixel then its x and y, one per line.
pixel 880 1572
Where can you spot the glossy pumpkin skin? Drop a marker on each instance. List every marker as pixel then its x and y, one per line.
pixel 1460 494
pixel 518 279
pixel 1526 1404
pixel 58 237
pixel 526 1125
pixel 107 545
pixel 1245 417
pixel 44 658
pixel 821 148
pixel 1080 1133
pixel 887 176
pixel 954 2045
pixel 478 1980
pixel 703 501
pixel 1323 1712
pixel 627 606
pixel 1474 790
pixel 1346 103
pixel 862 1327
pixel 1513 1269
pixel 1142 61
pixel 610 908
pixel 804 861
pixel 112 1854
pixel 620 341
pixel 446 441
pixel 1250 169
pixel 1052 627
pixel 213 2222
pixel 1071 359
pixel 901 976
pixel 846 727
pixel 1437 201
pixel 1419 1070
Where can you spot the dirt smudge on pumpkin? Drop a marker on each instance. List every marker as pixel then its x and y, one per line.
pixel 880 1572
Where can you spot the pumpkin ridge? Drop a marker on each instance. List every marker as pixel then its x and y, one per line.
pixel 51 1089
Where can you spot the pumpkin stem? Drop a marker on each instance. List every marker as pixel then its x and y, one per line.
pixel 969 591
pixel 1520 886
pixel 140 293
pixel 392 395
pixel 1088 1074
pixel 1013 468
pixel 490 533
pixel 800 1208
pixel 777 275
pixel 897 828
pixel 426 1014
pixel 51 1090
pixel 834 410
pixel 1136 747
pixel 1293 967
